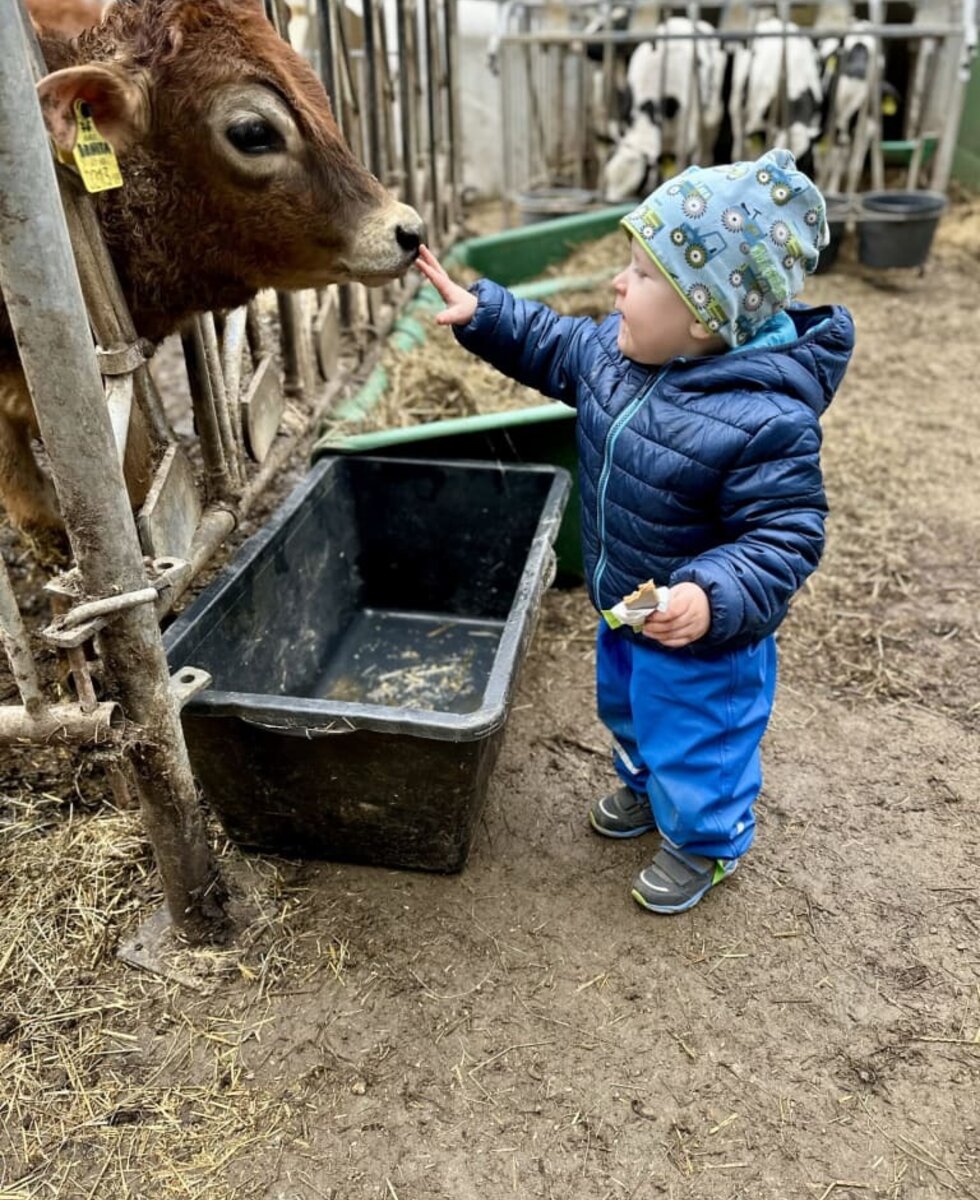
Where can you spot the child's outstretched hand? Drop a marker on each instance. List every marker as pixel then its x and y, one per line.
pixel 687 618
pixel 460 304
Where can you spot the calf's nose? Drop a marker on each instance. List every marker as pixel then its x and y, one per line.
pixel 410 235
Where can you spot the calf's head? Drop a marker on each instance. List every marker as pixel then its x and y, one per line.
pixel 236 175
pixel 627 171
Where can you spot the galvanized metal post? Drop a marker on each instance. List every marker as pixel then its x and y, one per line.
pixel 328 74
pixel 407 76
pixel 44 300
pixel 369 15
pixel 432 76
pixel 453 124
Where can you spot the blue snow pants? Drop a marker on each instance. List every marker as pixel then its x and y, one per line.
pixel 686 731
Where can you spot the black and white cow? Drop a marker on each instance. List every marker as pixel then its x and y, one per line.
pixel 675 108
pixel 610 97
pixel 761 114
pixel 850 69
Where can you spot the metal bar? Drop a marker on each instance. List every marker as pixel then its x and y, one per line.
pixel 634 37
pixel 328 67
pixel 431 76
pixel 347 82
pixel 106 303
pixel 80 673
pixel 233 343
pixel 47 313
pixel 255 331
pixel 212 357
pixel 108 606
pixel 217 477
pixel 13 635
pixel 950 69
pixel 297 351
pixel 60 723
pixel 389 153
pixel 371 83
pixel 875 75
pixel 453 120
pixel 409 192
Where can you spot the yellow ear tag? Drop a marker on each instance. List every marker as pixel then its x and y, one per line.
pixel 94 157
pixel 889 106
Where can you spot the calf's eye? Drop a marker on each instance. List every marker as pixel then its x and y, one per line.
pixel 254 136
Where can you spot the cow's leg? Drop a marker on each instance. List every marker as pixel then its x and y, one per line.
pixel 25 491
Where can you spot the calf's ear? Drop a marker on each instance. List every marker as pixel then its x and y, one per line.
pixel 119 100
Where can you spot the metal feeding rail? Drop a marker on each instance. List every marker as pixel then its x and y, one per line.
pixel 561 79
pixel 393 87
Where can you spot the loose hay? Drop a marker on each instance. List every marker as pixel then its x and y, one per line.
pixel 76 1104
pixel 439 380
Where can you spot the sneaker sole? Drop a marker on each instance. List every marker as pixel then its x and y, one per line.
pixel 626 833
pixel 667 909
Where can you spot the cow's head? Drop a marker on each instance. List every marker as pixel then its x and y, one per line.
pixel 626 172
pixel 237 134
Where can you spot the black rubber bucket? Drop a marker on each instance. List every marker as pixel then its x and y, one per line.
pixel 904 237
pixel 836 223
pixel 365 647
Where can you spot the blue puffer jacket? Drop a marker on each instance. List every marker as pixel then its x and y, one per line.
pixel 703 469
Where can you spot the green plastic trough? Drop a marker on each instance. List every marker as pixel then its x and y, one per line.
pixel 519 254
pixel 543 434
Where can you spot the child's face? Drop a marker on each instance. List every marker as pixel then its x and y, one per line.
pixel 656 323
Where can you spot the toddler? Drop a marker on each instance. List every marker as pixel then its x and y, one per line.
pixel 698 405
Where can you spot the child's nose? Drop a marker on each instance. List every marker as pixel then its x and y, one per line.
pixel 619 283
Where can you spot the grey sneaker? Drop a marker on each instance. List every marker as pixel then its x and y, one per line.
pixel 676 881
pixel 624 814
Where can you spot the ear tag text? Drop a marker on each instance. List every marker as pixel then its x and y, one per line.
pixel 94 157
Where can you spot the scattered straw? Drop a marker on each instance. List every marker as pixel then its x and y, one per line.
pixel 81 1113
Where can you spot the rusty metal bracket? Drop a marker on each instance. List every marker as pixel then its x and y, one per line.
pixel 187 682
pixel 123 360
pixel 84 620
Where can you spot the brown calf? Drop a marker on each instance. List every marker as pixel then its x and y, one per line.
pixel 236 178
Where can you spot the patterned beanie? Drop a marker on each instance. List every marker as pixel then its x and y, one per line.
pixel 736 240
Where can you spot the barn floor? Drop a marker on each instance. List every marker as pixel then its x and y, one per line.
pixel 522 1029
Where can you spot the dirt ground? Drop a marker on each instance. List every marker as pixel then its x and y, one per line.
pixel 522 1029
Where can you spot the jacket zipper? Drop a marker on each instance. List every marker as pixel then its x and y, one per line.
pixel 614 431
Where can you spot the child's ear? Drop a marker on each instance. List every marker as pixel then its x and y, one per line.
pixel 699 332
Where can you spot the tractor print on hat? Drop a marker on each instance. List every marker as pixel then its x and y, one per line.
pixel 699 248
pixel 650 223
pixel 711 312
pixel 746 279
pixel 788 243
pixel 695 197
pixel 781 186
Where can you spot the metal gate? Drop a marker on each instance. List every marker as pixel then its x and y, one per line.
pixel 562 70
pixel 392 82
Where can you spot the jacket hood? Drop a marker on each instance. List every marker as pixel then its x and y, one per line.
pixel 810 368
